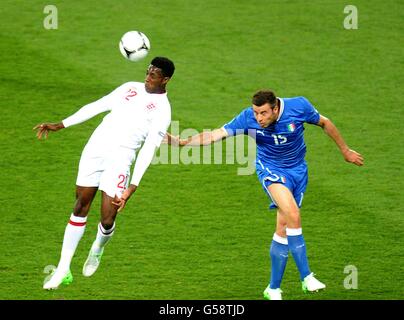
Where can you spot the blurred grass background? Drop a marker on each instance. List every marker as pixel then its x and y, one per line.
pixel 202 231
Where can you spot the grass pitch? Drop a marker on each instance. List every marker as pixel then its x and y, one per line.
pixel 202 231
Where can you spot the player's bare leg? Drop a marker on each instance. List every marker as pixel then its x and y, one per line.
pixel 73 233
pixel 84 199
pixel 281 224
pixel 105 231
pixel 286 203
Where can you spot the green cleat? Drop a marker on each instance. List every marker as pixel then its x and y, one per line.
pixel 57 279
pixel 68 279
pixel 272 294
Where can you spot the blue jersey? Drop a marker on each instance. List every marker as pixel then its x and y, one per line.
pixel 281 144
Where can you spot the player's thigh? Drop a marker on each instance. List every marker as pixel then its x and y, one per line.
pixel 283 198
pixel 84 199
pixel 300 178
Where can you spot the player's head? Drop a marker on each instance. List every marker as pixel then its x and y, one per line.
pixel 265 107
pixel 158 73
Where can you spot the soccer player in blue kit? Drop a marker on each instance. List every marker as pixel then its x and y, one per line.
pixel 278 125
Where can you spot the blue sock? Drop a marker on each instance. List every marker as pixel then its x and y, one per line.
pixel 279 257
pixel 297 247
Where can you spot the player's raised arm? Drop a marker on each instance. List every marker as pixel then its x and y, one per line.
pixel 201 139
pixel 86 112
pixel 83 114
pixel 331 130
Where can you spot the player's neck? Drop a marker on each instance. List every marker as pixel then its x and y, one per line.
pixel 160 90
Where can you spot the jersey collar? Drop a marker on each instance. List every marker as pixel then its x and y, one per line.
pixel 281 107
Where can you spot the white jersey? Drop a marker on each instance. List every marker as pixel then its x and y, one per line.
pixel 135 118
pixel 134 115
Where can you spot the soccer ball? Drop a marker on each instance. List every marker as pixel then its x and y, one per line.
pixel 134 45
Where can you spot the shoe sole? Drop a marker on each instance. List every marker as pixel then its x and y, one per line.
pixel 305 290
pixel 88 275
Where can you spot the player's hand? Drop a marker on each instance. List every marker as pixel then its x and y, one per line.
pixel 165 139
pixel 44 128
pixel 170 139
pixel 119 202
pixel 353 157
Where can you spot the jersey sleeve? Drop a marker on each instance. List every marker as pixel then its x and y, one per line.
pixel 238 125
pixel 92 109
pixel 159 126
pixel 143 160
pixel 153 140
pixel 311 115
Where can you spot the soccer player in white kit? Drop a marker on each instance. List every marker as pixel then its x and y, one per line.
pixel 139 113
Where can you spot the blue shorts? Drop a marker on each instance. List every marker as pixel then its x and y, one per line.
pixel 295 179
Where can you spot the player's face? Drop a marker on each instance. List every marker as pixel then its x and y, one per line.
pixel 155 81
pixel 265 115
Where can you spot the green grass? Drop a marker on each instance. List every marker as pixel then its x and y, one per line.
pixel 202 231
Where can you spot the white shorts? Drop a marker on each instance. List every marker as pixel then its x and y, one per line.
pixel 109 170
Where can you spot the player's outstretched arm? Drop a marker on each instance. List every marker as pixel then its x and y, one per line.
pixel 201 139
pixel 170 139
pixel 44 128
pixel 331 130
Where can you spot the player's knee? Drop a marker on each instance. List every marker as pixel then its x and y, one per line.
pixel 81 208
pixel 294 215
pixel 281 230
pixel 107 223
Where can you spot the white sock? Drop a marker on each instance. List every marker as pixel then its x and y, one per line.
pixel 293 231
pixel 280 239
pixel 73 233
pixel 103 237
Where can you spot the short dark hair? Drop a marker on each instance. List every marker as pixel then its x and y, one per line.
pixel 166 65
pixel 262 97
